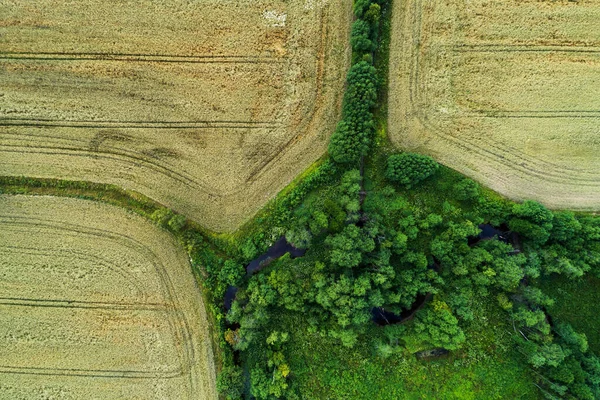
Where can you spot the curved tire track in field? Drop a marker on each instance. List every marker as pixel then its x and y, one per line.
pixel 108 152
pixel 502 154
pixel 301 130
pixel 511 157
pixel 123 157
pixel 261 158
pixel 177 321
pixel 161 167
pixel 134 158
pixel 138 158
pixel 99 261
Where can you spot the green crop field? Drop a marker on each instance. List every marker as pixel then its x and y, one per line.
pixel 97 303
pixel 209 108
pixel 505 92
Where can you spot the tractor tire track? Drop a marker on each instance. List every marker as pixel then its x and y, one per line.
pixel 89 305
pixel 121 157
pixel 540 168
pixel 148 58
pixel 99 261
pixel 115 153
pixel 134 158
pixel 520 48
pixel 90 373
pixel 281 150
pixel 177 321
pixel 96 124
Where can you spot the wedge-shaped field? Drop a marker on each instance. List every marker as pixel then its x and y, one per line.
pixel 210 107
pixel 506 92
pixel 97 303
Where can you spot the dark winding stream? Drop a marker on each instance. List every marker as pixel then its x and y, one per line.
pixel 229 297
pixel 382 317
pixel 278 249
pixel 489 232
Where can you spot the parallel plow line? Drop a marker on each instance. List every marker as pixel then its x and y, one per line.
pixel 155 58
pixel 520 48
pixel 178 323
pixel 532 114
pixel 99 261
pixel 95 124
pixel 511 157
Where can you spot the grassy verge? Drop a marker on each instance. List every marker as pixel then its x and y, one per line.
pixel 577 302
pixel 488 367
pixel 270 223
pixel 133 202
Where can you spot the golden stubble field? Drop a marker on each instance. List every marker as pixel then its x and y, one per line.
pixel 97 303
pixel 507 92
pixel 210 107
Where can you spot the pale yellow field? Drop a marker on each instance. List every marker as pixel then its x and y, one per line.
pixel 504 91
pixel 210 107
pixel 97 303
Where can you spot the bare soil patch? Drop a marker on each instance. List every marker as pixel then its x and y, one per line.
pixel 209 107
pixel 97 303
pixel 505 92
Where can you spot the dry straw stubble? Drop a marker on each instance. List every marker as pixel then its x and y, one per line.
pixel 505 92
pixel 209 107
pixel 97 303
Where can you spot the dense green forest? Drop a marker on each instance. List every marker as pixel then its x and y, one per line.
pixel 461 272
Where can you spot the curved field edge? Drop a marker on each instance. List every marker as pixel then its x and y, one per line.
pixel 132 200
pixel 430 113
pixel 265 157
pixel 129 200
pixel 258 230
pixel 152 258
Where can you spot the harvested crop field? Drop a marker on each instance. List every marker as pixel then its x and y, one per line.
pixel 97 303
pixel 209 107
pixel 504 91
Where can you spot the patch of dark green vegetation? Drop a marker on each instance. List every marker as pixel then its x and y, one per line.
pixel 396 235
pixel 576 302
pixel 399 245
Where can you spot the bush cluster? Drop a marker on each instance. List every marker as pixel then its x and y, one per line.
pixel 354 134
pixel 409 169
